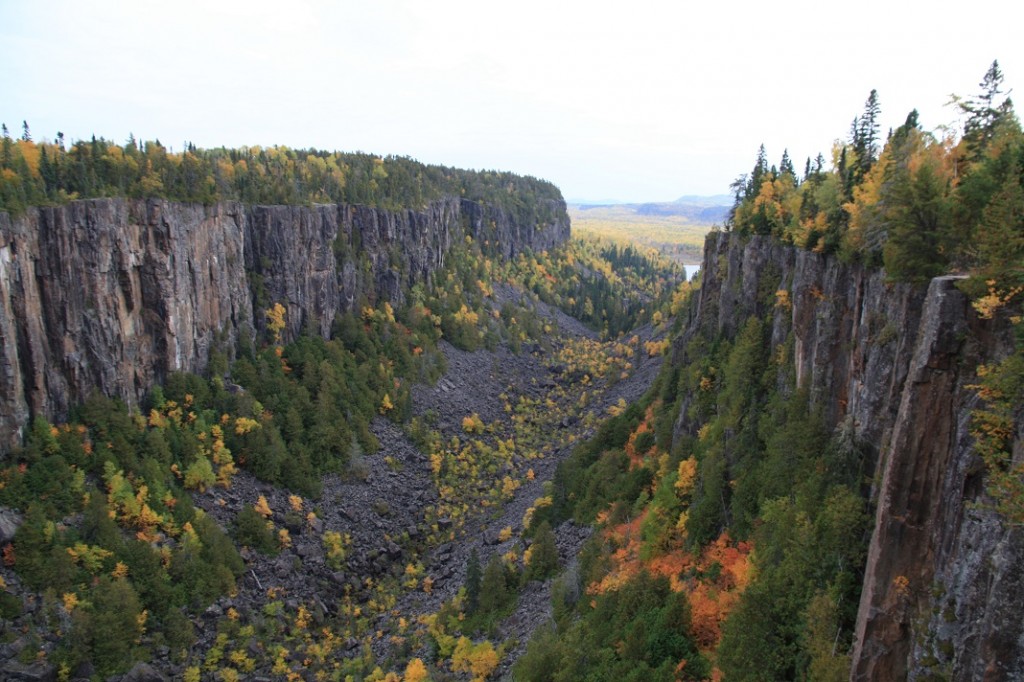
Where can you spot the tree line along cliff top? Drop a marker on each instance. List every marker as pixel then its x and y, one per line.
pixel 45 173
pixel 918 203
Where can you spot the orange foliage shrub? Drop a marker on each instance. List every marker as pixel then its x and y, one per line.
pixel 712 581
pixel 636 458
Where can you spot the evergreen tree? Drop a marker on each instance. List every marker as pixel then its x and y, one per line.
pixel 493 586
pixel 759 173
pixel 919 221
pixel 543 554
pixel 865 140
pixel 251 531
pixel 786 165
pixel 47 171
pixel 473 582
pixel 738 187
pixel 1000 240
pixel 5 151
pixel 109 629
pixel 899 137
pixel 984 112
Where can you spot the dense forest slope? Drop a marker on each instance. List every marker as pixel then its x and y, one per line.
pixel 929 379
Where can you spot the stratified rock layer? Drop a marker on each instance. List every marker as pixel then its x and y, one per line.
pixel 894 365
pixel 111 295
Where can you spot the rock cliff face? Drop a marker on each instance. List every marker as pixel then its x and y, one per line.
pixel 852 332
pixel 110 295
pixel 893 363
pixel 959 613
pixel 507 235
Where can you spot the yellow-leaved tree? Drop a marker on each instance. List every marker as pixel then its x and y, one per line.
pixel 275 320
pixel 480 659
pixel 416 671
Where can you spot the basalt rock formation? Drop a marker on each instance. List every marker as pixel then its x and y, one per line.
pixel 893 365
pixel 111 295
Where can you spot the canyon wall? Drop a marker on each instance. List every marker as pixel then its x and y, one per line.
pixel 892 364
pixel 111 295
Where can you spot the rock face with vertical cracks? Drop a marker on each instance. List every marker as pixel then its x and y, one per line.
pixel 111 295
pixel 894 364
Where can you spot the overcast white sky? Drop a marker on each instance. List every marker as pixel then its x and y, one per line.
pixel 637 101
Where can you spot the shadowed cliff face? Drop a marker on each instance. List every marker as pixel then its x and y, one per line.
pixel 893 363
pixel 111 295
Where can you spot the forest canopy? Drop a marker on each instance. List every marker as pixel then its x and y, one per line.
pixel 42 173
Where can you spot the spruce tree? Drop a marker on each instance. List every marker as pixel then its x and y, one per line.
pixel 543 554
pixel 1000 240
pixel 493 587
pixel 866 136
pixel 759 173
pixel 473 582
pixel 786 165
pixel 47 171
pixel 918 225
pixel 984 113
pixel 110 627
pixel 5 152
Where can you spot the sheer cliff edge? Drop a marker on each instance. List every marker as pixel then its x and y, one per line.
pixel 896 366
pixel 111 295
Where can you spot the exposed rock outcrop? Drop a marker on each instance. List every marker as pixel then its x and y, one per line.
pixel 111 295
pixel 894 363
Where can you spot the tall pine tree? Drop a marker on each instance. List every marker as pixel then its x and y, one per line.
pixel 984 112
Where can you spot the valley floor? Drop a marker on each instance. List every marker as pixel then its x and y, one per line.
pixel 408 543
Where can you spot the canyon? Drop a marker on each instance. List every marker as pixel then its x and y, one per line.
pixel 112 295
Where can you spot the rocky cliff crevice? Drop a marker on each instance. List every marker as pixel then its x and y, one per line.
pixel 894 364
pixel 111 295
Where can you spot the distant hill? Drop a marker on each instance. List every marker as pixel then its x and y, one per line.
pixel 698 213
pixel 715 200
pixel 704 210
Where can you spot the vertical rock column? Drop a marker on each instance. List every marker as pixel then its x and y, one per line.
pixel 901 557
pixel 14 411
